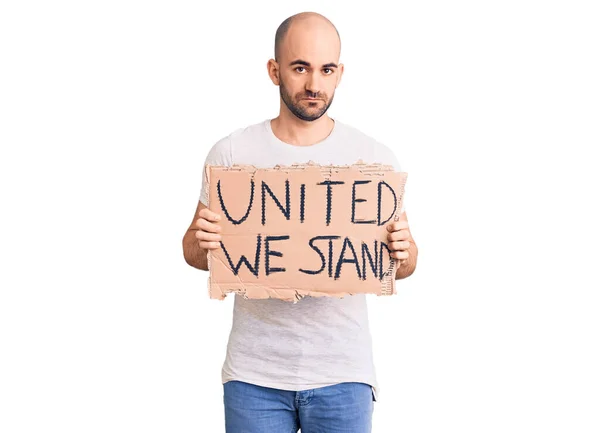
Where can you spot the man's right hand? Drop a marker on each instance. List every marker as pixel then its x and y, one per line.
pixel 208 233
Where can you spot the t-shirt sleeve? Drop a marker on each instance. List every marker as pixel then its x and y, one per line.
pixel 384 155
pixel 219 154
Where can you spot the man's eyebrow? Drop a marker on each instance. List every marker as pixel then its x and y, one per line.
pixel 305 63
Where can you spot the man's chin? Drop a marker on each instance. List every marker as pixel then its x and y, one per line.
pixel 308 118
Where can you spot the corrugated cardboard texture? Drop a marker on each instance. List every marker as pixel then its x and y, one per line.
pixel 303 230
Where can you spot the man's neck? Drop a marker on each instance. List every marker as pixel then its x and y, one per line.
pixel 292 130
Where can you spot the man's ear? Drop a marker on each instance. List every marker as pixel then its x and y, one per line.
pixel 341 72
pixel 273 71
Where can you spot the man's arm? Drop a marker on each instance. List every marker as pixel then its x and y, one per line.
pixel 407 266
pixel 192 252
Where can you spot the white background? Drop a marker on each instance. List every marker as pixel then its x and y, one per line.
pixel 107 112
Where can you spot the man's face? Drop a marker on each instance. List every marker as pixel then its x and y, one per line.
pixel 303 108
pixel 308 70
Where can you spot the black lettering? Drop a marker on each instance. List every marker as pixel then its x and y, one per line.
pixel 372 262
pixel 358 200
pixel 343 260
pixel 379 222
pixel 381 268
pixel 243 259
pixel 269 252
pixel 311 243
pixel 302 193
pixel 234 221
pixel 286 211
pixel 329 183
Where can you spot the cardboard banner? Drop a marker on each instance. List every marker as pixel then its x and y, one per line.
pixel 305 229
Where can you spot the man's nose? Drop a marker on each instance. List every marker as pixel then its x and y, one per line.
pixel 313 84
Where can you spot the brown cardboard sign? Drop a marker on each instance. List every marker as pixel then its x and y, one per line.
pixel 305 229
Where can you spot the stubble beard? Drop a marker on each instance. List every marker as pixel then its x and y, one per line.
pixel 299 111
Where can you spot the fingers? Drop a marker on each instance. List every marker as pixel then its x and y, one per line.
pixel 207 240
pixel 401 235
pixel 207 226
pixel 397 225
pixel 399 255
pixel 398 231
pixel 208 233
pixel 209 245
pixel 399 245
pixel 209 215
pixel 207 236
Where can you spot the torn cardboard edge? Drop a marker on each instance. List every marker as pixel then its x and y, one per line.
pixel 366 168
pixel 250 290
pixel 260 291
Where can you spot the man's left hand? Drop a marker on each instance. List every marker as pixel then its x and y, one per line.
pixel 398 238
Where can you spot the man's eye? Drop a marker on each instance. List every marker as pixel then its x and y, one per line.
pixel 328 69
pixel 299 67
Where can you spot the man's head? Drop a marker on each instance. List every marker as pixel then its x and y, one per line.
pixel 307 52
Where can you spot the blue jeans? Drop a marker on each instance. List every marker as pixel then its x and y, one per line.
pixel 342 408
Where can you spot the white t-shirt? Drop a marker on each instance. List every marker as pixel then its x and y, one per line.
pixel 317 341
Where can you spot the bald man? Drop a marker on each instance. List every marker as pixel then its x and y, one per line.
pixel 306 365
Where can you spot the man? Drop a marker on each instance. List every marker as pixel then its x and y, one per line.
pixel 307 364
